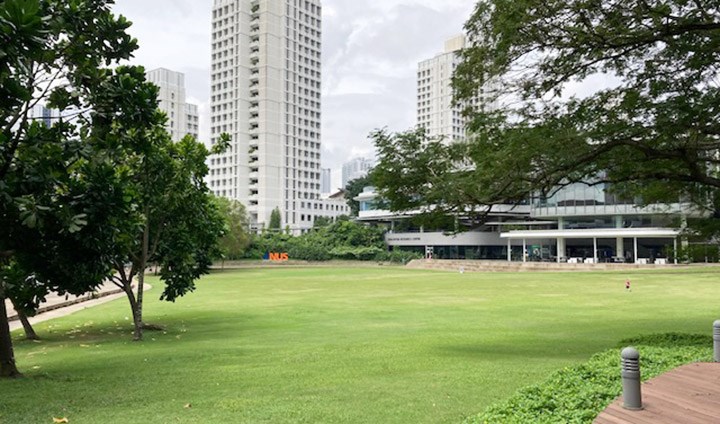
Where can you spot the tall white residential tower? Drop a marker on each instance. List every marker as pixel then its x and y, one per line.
pixel 182 117
pixel 266 95
pixel 435 110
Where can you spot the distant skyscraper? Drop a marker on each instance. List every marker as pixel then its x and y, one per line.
pixel 266 73
pixel 356 168
pixel 183 117
pixel 435 110
pixel 325 180
pixel 42 114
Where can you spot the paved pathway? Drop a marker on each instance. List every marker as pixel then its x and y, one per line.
pixel 56 306
pixel 689 394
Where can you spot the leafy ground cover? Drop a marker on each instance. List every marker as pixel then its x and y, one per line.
pixel 333 345
pixel 579 393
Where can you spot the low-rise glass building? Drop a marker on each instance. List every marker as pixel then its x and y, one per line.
pixel 577 223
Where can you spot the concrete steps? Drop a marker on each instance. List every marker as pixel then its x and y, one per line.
pixel 469 265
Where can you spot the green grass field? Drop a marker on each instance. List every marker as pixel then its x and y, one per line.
pixel 333 345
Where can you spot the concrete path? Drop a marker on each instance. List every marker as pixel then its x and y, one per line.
pixel 57 306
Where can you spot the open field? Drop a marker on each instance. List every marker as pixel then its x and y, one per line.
pixel 356 345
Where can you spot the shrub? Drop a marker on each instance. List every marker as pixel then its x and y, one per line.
pixel 397 256
pixel 578 394
pixel 355 253
pixel 341 240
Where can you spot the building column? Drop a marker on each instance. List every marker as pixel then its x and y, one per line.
pixel 675 250
pixel 619 242
pixel 595 257
pixel 524 252
pixel 561 249
pixel 635 250
pixel 509 251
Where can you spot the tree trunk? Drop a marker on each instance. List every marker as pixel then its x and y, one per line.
pixel 137 322
pixel 141 277
pixel 7 356
pixel 30 333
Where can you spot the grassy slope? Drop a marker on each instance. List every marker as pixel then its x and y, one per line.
pixel 341 345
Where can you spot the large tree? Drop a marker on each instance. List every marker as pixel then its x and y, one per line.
pixel 582 90
pixel 176 225
pixel 275 220
pixel 58 183
pixel 236 238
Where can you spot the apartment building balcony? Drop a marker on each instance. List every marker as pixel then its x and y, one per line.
pixel 254 176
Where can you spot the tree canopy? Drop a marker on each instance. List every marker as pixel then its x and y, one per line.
pixel 236 238
pixel 59 183
pixel 576 90
pixel 275 220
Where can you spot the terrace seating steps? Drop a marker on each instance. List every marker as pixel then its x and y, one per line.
pixel 472 265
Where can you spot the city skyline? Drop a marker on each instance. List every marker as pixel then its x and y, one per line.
pixel 370 56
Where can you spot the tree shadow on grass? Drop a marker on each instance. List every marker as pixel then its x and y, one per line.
pixel 199 328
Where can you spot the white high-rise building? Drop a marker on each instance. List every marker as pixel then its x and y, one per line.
pixel 192 122
pixel 42 114
pixel 435 110
pixel 266 73
pixel 356 168
pixel 182 117
pixel 325 180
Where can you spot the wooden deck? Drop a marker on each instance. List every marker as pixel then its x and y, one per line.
pixel 688 394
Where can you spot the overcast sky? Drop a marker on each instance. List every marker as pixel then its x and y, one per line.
pixel 371 49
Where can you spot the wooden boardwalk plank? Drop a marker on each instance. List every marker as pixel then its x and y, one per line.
pixel 689 394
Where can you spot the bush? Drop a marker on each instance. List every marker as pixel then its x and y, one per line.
pixel 578 394
pixel 397 256
pixel 355 253
pixel 340 240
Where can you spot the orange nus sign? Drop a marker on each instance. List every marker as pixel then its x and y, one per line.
pixel 274 256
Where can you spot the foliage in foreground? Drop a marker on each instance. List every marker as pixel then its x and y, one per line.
pixel 580 393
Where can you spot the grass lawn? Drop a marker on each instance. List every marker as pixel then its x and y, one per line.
pixel 332 345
